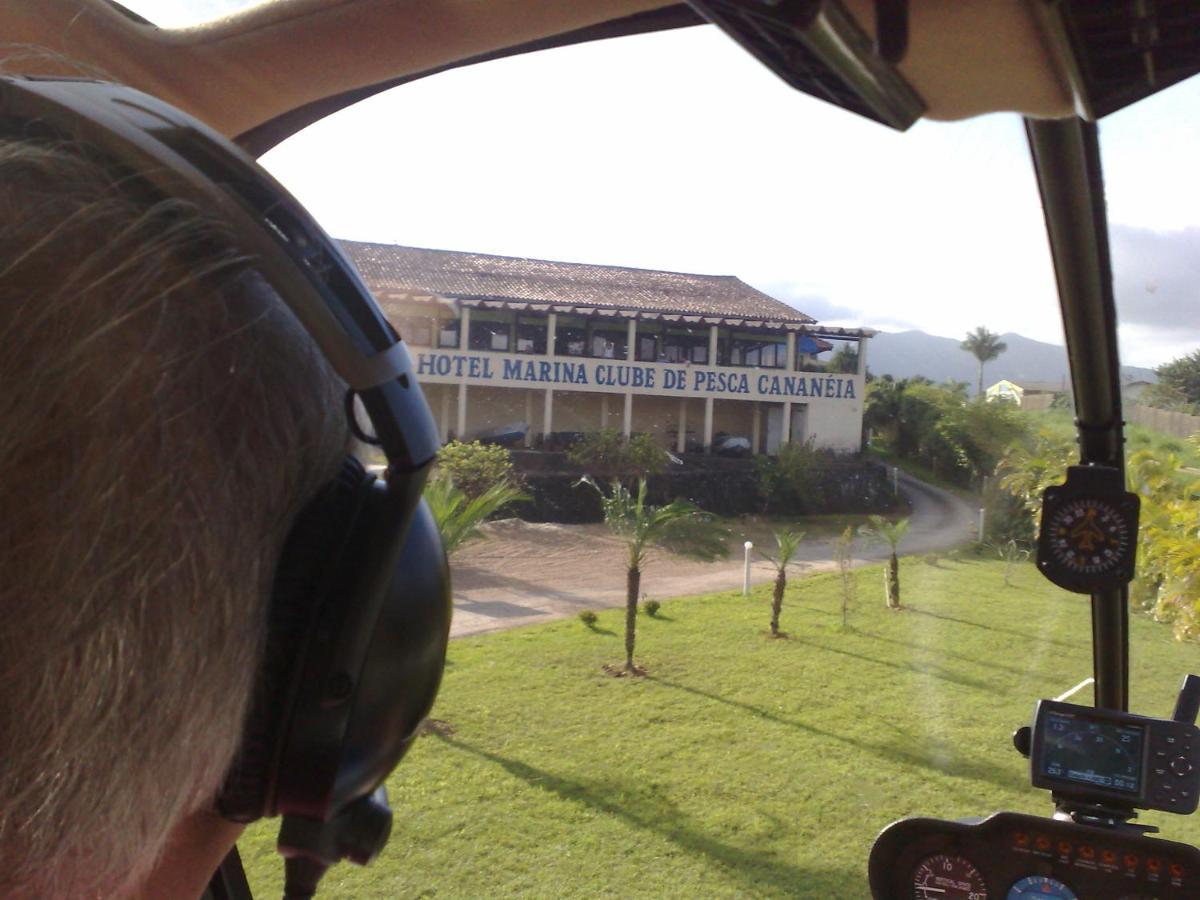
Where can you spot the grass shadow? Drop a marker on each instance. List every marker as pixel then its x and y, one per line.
pixel 933 669
pixel 649 811
pixel 1070 645
pixel 910 751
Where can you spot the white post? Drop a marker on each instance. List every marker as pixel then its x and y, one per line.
pixel 548 413
pixel 708 424
pixel 603 411
pixel 681 438
pixel 461 421
pixel 528 418
pixel 444 418
pixel 862 356
pixel 757 429
pixel 786 437
pixel 551 332
pixel 631 341
pixel 895 480
pixel 464 326
pixel 749 545
pixel 981 522
pixel 627 421
pixel 712 345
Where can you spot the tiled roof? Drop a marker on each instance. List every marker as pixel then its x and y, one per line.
pixel 389 269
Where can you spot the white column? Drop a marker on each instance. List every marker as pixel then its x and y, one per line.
pixel 862 356
pixel 464 326
pixel 604 410
pixel 631 341
pixel 757 429
pixel 712 345
pixel 548 400
pixel 708 424
pixel 786 437
pixel 444 418
pixel 529 418
pixel 461 426
pixel 681 439
pixel 548 412
pixel 627 421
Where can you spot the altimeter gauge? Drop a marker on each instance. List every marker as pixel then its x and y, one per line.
pixel 1088 539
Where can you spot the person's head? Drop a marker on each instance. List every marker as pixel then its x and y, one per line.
pixel 162 420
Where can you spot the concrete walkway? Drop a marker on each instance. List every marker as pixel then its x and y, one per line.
pixel 526 573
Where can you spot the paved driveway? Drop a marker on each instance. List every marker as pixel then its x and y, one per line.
pixel 529 572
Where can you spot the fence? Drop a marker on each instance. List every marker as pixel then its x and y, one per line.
pixel 1164 421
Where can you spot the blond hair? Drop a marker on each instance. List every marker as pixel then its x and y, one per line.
pixel 162 420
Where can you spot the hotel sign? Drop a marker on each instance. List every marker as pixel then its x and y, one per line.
pixel 618 376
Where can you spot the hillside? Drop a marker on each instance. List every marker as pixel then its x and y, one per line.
pixel 907 353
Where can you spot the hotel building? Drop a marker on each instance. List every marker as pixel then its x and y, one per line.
pixel 539 351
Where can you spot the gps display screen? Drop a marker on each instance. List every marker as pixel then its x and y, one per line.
pixel 1091 752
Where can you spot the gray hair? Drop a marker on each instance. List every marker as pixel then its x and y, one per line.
pixel 162 420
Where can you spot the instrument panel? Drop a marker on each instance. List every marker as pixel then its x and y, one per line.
pixel 1013 856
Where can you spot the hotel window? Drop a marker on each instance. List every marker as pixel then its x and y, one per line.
pixel 491 331
pixel 531 334
pixel 606 342
pixel 686 346
pixel 448 333
pixel 570 336
pixel 757 352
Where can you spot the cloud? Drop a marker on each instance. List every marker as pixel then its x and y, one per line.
pixel 1156 277
pixel 826 311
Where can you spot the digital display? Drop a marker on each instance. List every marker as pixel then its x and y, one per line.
pixel 1092 752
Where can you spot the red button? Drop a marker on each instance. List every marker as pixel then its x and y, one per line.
pixel 1043 842
pixel 1153 864
pixel 1131 860
pixel 1021 839
pixel 1176 870
pixel 1087 852
pixel 1064 847
pixel 1109 856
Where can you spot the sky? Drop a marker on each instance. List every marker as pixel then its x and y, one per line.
pixel 678 151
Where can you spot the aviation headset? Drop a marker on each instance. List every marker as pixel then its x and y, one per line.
pixel 360 611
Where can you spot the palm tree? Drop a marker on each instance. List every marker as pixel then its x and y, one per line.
pixel 984 346
pixel 787 542
pixel 890 533
pixel 458 516
pixel 679 527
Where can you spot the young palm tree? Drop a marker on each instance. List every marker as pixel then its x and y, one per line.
pixel 984 346
pixel 787 542
pixel 458 516
pixel 890 533
pixel 679 527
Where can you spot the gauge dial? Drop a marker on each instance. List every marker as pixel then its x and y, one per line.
pixel 1040 886
pixel 948 877
pixel 1089 536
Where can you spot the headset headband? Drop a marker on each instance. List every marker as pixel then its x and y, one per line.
pixel 184 158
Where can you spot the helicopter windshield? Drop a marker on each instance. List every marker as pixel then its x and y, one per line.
pixel 482 202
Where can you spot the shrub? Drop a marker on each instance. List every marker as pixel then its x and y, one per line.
pixel 588 618
pixel 792 479
pixel 607 453
pixel 651 608
pixel 474 467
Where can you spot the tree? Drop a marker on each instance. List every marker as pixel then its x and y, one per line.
pixel 458 516
pixel 984 346
pixel 474 467
pixel 1181 377
pixel 787 542
pixel 890 533
pixel 678 527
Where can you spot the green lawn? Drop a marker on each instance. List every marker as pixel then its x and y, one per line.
pixel 742 766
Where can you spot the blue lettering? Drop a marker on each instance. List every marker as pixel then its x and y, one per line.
pixel 649 378
pixel 543 371
pixel 829 382
pixel 424 363
pixel 774 391
pixel 458 366
pixel 814 387
pixel 849 390
pixel 743 384
pixel 623 376
pixel 697 377
pixel 442 365
pixel 512 370
pixel 762 384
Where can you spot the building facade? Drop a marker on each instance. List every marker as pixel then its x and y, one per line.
pixel 535 352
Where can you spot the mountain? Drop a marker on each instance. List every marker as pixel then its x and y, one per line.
pixel 907 353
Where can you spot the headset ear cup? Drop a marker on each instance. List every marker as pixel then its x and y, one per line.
pixel 311 551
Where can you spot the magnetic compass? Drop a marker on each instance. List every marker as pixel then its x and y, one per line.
pixel 1088 539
